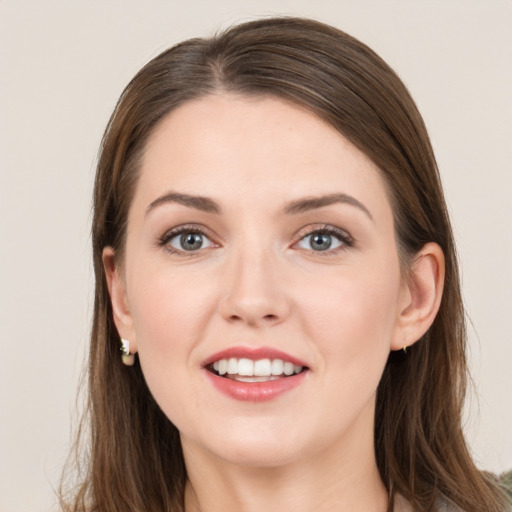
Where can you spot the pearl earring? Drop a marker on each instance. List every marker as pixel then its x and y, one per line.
pixel 127 358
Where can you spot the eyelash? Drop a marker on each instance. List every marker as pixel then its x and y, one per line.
pixel 342 236
pixel 173 233
pixel 346 240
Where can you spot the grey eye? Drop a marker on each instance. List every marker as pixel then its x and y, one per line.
pixel 190 241
pixel 319 241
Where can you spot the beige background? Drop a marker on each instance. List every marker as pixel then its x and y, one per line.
pixel 63 65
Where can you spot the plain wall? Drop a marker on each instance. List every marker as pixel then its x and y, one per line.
pixel 63 66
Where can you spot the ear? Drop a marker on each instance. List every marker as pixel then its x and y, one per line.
pixel 120 306
pixel 421 295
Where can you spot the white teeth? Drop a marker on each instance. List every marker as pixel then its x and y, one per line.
pixel 263 368
pixel 239 378
pixel 245 367
pixel 288 368
pixel 277 367
pixel 259 368
pixel 232 365
pixel 223 366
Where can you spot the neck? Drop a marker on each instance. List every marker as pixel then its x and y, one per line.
pixel 301 488
pixel 343 477
pixel 285 490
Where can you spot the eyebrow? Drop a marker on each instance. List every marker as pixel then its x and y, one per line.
pixel 208 205
pixel 204 204
pixel 312 203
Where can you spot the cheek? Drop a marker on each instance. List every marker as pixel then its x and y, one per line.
pixel 168 309
pixel 354 316
pixel 169 312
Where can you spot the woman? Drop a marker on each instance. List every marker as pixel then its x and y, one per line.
pixel 272 247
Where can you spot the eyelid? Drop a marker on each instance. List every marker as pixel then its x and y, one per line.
pixel 343 236
pixel 163 241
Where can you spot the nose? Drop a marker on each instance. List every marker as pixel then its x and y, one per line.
pixel 253 291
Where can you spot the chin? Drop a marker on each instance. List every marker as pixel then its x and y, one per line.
pixel 256 447
pixel 260 456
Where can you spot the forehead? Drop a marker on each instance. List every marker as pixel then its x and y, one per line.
pixel 259 148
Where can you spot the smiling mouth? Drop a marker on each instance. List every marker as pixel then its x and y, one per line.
pixel 260 370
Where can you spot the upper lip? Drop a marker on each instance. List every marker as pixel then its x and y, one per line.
pixel 254 353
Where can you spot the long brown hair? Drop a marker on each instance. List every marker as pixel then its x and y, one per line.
pixel 135 461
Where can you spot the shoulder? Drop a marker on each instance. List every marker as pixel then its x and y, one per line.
pixel 505 481
pixel 445 505
pixel 442 505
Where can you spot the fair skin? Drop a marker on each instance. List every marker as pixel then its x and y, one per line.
pixel 258 266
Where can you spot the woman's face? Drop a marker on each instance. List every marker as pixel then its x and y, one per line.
pixel 260 243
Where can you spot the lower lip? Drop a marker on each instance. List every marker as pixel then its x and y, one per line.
pixel 255 391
